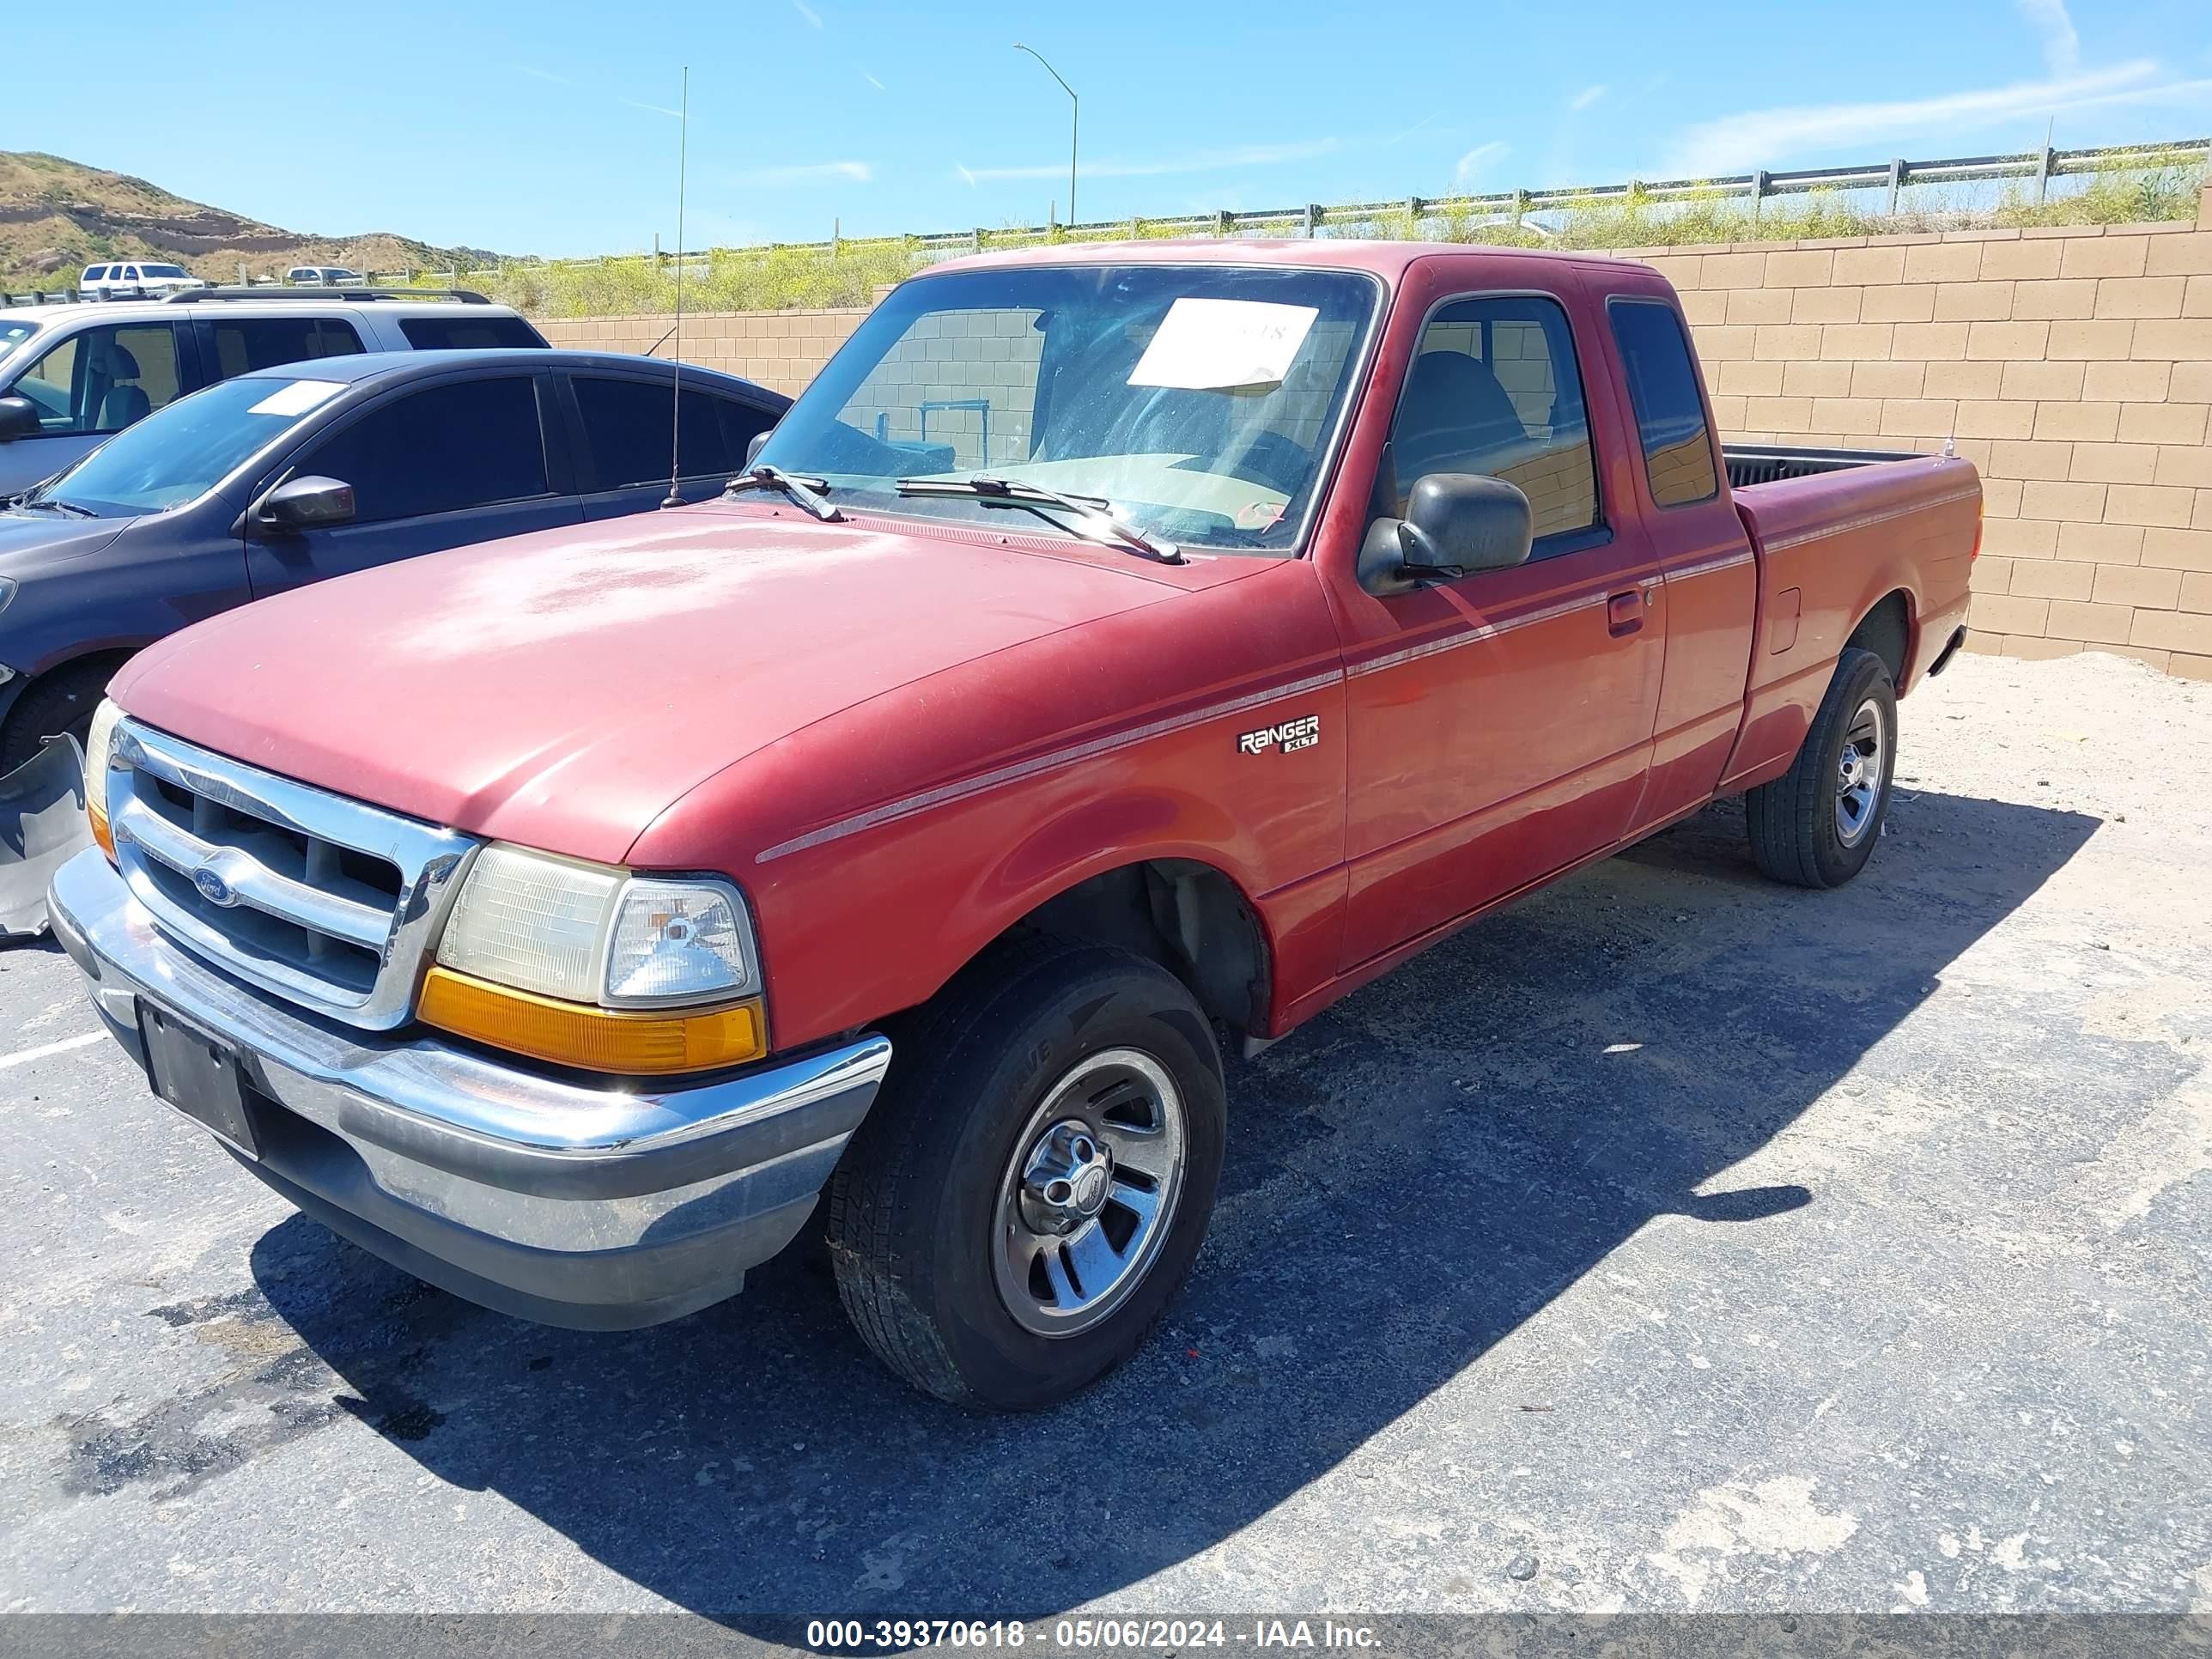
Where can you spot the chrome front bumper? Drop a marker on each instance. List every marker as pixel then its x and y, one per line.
pixel 591 1207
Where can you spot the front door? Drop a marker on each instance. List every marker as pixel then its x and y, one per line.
pixel 1500 725
pixel 432 467
pixel 86 387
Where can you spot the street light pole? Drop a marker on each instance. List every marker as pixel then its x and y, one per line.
pixel 1074 121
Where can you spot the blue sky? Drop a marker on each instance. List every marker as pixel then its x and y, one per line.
pixel 546 126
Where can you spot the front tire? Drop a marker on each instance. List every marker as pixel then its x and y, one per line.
pixel 1816 824
pixel 1034 1182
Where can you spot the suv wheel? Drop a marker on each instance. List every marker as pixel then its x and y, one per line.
pixel 1034 1182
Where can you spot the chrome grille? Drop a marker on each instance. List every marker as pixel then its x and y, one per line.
pixel 328 902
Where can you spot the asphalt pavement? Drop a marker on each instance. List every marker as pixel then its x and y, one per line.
pixel 1672 1240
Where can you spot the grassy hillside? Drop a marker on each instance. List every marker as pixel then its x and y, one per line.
pixel 56 216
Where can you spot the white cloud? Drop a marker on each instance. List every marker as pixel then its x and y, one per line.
pixel 656 109
pixel 1216 161
pixel 1588 96
pixel 2062 47
pixel 807 12
pixel 967 178
pixel 859 173
pixel 1764 138
pixel 873 81
pixel 1478 159
pixel 536 73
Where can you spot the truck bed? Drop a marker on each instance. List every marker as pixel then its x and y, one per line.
pixel 1759 464
pixel 1837 533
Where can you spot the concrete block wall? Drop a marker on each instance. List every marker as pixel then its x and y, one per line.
pixel 2072 365
pixel 780 349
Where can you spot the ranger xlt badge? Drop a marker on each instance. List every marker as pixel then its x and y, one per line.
pixel 1289 735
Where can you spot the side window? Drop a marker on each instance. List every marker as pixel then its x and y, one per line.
pixel 439 450
pixel 626 426
pixel 466 333
pixel 95 273
pixel 741 424
pixel 1670 414
pixel 1495 390
pixel 243 344
pixel 101 380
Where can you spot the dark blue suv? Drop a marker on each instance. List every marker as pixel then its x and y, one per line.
pixel 288 474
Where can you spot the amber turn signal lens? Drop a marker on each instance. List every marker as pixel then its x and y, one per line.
pixel 95 813
pixel 594 1039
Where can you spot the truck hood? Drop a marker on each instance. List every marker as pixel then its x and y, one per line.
pixel 563 688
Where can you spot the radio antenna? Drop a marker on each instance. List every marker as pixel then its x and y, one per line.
pixel 675 383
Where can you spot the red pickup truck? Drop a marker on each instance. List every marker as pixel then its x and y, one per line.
pixel 1114 652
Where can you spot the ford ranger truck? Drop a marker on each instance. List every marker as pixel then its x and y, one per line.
pixel 1115 652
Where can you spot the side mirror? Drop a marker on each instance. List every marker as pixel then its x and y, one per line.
pixel 308 503
pixel 1455 523
pixel 19 418
pixel 758 442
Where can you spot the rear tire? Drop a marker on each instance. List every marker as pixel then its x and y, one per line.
pixel 1034 1180
pixel 63 701
pixel 1816 824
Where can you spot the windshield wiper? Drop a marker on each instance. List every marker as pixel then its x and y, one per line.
pixel 807 492
pixel 53 504
pixel 1094 520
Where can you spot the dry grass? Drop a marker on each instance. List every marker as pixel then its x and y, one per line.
pixel 771 279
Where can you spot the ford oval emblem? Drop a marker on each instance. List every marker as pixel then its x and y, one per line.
pixel 213 888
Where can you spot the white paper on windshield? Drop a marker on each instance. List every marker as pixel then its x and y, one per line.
pixel 297 397
pixel 1210 345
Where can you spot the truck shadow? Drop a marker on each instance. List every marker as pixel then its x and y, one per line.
pixel 1410 1179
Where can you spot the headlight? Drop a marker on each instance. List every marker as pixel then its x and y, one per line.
pixel 589 932
pixel 588 965
pixel 533 922
pixel 99 744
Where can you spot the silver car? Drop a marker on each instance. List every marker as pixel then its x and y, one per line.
pixel 72 376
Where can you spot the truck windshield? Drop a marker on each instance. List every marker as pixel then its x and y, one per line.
pixel 178 454
pixel 1200 402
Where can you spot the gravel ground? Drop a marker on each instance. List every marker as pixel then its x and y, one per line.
pixel 1672 1241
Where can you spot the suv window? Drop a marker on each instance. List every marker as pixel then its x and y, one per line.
pixel 245 343
pixel 463 333
pixel 439 450
pixel 101 380
pixel 626 427
pixel 1670 414
pixel 1495 390
pixel 95 273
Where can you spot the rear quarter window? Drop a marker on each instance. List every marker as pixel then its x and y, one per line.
pixel 1670 410
pixel 468 333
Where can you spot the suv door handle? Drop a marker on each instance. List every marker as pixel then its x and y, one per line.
pixel 1624 612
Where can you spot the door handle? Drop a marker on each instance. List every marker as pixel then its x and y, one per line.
pixel 1624 612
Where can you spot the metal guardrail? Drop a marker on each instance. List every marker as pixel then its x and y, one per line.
pixel 1511 208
